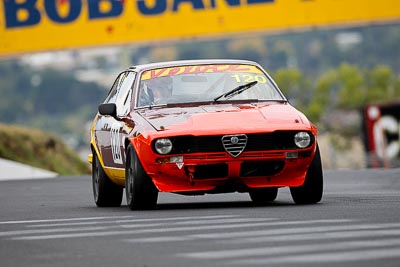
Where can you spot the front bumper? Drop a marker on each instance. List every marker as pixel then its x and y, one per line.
pixel 219 172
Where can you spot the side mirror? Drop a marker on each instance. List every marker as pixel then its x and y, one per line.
pixel 109 109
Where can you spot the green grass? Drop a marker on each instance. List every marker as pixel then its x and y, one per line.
pixel 39 149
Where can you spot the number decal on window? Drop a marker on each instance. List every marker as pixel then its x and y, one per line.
pixel 116 143
pixel 247 78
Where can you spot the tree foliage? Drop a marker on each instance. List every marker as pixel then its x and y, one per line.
pixel 345 88
pixel 46 99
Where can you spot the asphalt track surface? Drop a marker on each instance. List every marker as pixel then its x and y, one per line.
pixel 54 222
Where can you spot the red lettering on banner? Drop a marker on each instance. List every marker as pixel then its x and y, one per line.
pixel 199 69
pixel 157 73
pixel 151 74
pixel 206 68
pixel 238 68
pixel 174 71
pixel 188 70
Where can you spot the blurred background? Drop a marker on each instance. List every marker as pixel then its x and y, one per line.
pixel 344 76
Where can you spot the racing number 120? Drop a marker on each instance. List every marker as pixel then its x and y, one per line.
pixel 247 78
pixel 116 143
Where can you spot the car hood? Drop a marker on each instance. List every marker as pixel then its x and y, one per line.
pixel 226 118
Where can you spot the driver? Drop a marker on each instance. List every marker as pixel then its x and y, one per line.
pixel 159 89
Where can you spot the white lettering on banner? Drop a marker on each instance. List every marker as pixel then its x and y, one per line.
pixel 385 150
pixel 116 143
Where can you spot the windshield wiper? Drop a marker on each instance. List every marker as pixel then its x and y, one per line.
pixel 235 91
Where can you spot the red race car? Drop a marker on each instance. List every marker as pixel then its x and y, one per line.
pixel 201 126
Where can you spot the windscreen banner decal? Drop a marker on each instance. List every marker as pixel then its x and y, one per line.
pixel 199 69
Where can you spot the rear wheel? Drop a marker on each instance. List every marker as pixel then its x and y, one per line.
pixel 263 195
pixel 311 191
pixel 105 192
pixel 141 193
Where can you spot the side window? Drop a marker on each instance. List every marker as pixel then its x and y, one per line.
pixel 124 95
pixel 112 95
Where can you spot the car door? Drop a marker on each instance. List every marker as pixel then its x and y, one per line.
pixel 112 131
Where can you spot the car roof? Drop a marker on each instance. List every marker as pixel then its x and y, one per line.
pixel 167 64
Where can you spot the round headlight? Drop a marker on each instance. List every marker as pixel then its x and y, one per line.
pixel 302 139
pixel 163 146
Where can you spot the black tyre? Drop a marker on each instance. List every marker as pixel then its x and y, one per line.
pixel 141 193
pixel 311 191
pixel 263 195
pixel 105 192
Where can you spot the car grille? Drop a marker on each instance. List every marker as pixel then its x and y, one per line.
pixel 247 169
pixel 279 140
pixel 208 171
pixel 234 144
pixel 261 168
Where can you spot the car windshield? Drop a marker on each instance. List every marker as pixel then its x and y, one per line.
pixel 202 83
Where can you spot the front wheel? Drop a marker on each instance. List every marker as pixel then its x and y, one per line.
pixel 105 192
pixel 141 193
pixel 311 191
